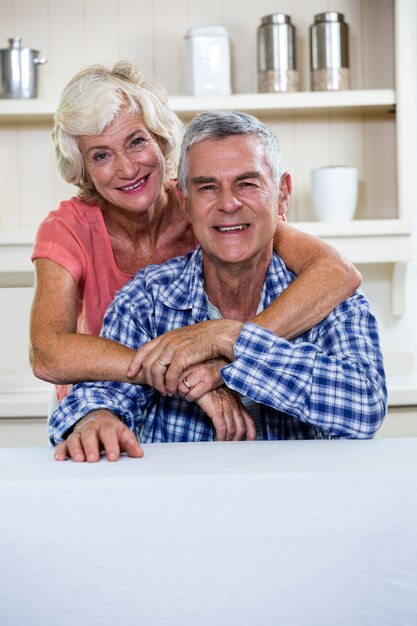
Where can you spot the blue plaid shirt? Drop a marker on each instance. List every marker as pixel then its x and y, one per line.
pixel 327 383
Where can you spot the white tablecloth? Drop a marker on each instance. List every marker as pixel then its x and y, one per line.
pixel 298 533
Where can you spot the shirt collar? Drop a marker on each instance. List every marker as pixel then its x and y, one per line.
pixel 186 292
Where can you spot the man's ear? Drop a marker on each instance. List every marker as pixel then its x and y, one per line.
pixel 285 188
pixel 182 199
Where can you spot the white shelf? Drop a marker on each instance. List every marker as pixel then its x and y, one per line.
pixel 352 100
pixel 371 100
pixel 33 109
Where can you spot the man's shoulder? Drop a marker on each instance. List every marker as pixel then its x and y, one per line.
pixel 278 276
pixel 155 278
pixel 163 273
pixel 355 309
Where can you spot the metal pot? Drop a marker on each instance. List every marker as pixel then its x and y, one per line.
pixel 19 70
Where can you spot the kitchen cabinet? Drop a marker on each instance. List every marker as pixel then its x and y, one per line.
pixel 367 126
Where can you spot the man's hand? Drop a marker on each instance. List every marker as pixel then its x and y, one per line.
pixel 99 430
pixel 199 379
pixel 165 360
pixel 231 420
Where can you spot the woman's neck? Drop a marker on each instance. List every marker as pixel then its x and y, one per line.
pixel 145 225
pixel 151 237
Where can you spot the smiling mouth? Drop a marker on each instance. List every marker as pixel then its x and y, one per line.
pixel 135 185
pixel 230 229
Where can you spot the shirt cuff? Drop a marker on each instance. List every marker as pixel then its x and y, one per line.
pixel 252 348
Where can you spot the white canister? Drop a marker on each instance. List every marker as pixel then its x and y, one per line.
pixel 208 61
pixel 334 190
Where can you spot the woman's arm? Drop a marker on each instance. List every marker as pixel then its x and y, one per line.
pixel 57 353
pixel 324 279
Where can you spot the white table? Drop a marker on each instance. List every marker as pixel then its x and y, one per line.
pixel 298 533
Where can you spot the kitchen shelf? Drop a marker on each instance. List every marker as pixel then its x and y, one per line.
pixel 372 100
pixel 301 101
pixel 26 109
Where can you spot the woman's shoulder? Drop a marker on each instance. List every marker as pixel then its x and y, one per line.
pixel 74 211
pixel 72 217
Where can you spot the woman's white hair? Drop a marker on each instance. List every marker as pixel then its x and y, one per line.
pixel 92 100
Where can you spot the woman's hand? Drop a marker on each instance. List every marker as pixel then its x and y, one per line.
pixel 164 361
pixel 99 430
pixel 231 420
pixel 201 378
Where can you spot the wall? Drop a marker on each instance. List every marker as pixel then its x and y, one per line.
pixel 73 33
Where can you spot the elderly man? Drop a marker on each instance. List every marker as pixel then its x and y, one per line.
pixel 327 383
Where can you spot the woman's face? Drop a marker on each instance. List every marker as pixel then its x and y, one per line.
pixel 125 163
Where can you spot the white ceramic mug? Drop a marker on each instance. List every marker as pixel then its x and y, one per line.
pixel 334 191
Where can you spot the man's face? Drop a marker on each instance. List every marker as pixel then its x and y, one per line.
pixel 233 201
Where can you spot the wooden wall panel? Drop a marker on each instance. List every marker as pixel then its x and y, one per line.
pixel 32 25
pixel 7 22
pixel 207 13
pixel 347 148
pixel 380 167
pixel 313 149
pixel 10 179
pixel 241 20
pixel 377 60
pixel 36 174
pixel 101 31
pixel 170 26
pixel 136 41
pixel 66 54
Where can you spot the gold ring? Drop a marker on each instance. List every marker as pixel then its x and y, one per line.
pixel 162 363
pixel 187 384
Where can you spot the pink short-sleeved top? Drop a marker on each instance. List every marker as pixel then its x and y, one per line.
pixel 75 236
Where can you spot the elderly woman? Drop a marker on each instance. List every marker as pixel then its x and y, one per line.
pixel 116 139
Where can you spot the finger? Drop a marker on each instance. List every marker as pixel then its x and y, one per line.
pixel 186 385
pixel 90 443
pixel 74 448
pixel 250 426
pixel 107 435
pixel 202 378
pixel 229 420
pixel 129 444
pixel 219 425
pixel 239 423
pixel 180 361
pixel 197 392
pixel 61 452
pixel 155 369
pixel 136 363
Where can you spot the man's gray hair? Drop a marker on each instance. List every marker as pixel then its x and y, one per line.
pixel 223 124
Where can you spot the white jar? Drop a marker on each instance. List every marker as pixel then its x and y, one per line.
pixel 208 61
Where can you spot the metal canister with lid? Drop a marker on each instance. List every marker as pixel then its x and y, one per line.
pixel 329 52
pixel 277 70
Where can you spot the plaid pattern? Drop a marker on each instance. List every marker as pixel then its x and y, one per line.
pixel 327 383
